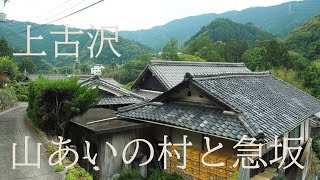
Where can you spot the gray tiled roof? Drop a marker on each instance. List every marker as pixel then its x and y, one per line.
pixel 119 100
pixel 268 104
pixel 171 73
pixel 194 117
pixel 127 97
pixel 85 78
pixel 267 107
pixel 48 76
pixel 98 80
pixel 147 94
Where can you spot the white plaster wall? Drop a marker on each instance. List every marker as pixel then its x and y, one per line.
pixel 195 138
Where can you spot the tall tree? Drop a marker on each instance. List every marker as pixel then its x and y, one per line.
pixel 170 50
pixel 5 49
pixel 28 65
pixel 311 77
pixel 8 68
pixel 276 56
pixel 234 50
pixel 253 58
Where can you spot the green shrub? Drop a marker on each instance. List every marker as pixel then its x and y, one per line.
pixel 157 175
pixel 316 146
pixel 78 173
pixel 7 98
pixel 58 168
pixel 128 174
pixel 22 97
pixel 21 92
pixel 52 103
pixel 52 148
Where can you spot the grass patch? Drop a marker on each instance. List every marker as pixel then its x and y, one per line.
pixel 78 173
pixel 128 174
pixel 156 175
pixel 58 168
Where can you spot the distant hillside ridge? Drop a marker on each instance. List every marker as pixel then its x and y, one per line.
pixel 305 39
pixel 278 20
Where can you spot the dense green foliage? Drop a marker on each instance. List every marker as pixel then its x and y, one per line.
pixel 189 57
pixel 306 39
pixel 128 174
pixel 28 65
pixel 58 168
pixel 157 175
pixel 224 40
pixel 170 50
pixel 8 98
pixel 21 92
pixel 125 73
pixel 279 20
pixel 311 78
pixel 292 77
pixel 316 147
pixel 6 50
pixel 222 29
pixel 128 71
pixel 8 68
pixel 52 103
pixel 267 55
pixel 230 51
pixel 77 173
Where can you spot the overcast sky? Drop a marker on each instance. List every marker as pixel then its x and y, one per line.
pixel 127 14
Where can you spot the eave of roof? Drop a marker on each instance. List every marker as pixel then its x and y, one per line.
pixel 109 125
pixel 201 119
pixel 97 80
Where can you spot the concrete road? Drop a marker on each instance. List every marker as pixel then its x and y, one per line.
pixel 13 129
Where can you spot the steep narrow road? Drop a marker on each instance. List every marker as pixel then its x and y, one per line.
pixel 13 129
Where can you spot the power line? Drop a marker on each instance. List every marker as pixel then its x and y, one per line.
pixel 67 9
pixel 19 28
pixel 61 17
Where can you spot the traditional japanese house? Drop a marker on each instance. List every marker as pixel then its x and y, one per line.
pixel 225 106
pixel 112 96
pixel 160 76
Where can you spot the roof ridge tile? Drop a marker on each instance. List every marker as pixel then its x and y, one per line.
pixel 191 63
pixel 227 74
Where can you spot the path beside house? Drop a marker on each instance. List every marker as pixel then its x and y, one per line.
pixel 13 129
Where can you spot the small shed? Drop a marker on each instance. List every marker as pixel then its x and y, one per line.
pixel 98 126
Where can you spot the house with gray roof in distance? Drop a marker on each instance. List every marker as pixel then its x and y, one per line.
pixel 225 106
pixel 160 76
pixel 109 80
pixel 112 96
